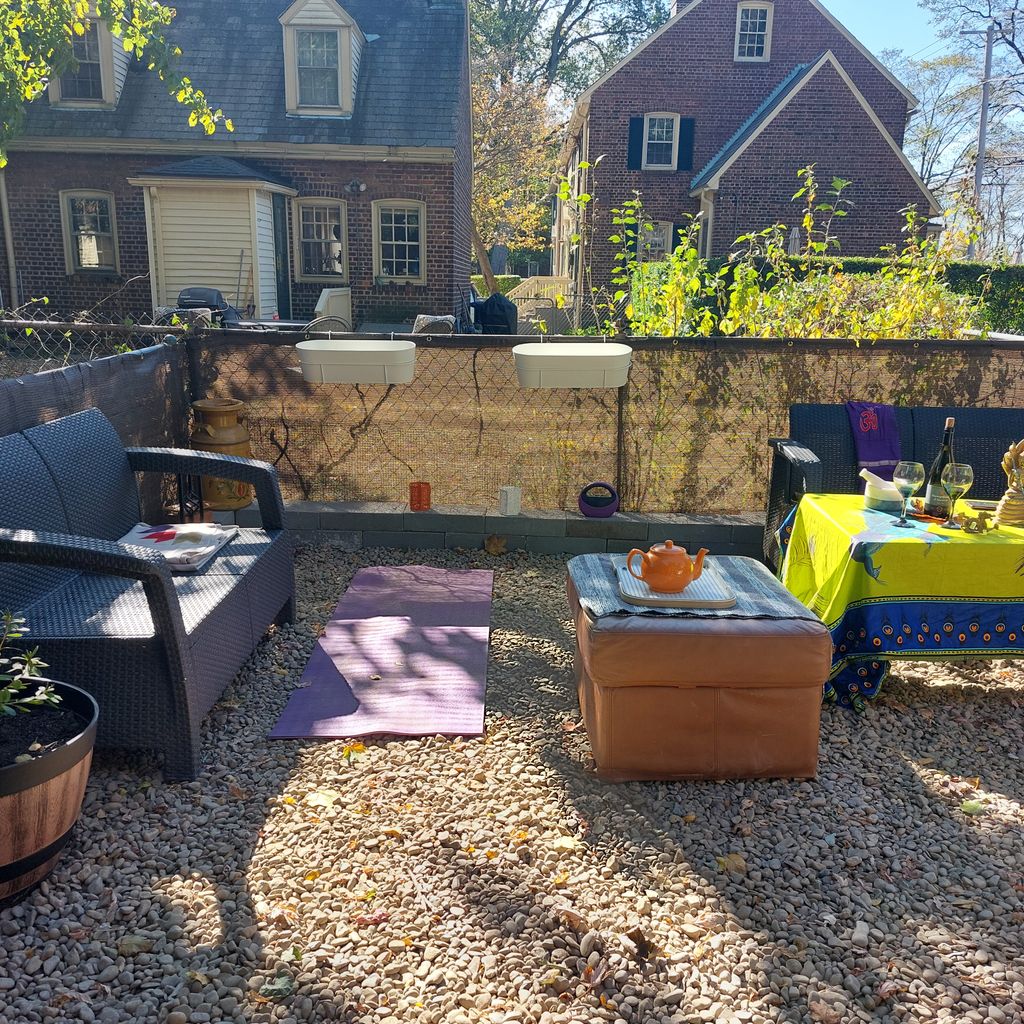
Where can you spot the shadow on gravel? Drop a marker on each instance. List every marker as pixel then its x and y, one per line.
pixel 150 858
pixel 874 839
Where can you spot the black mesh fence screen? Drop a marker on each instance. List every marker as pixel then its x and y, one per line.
pixel 138 383
pixel 688 433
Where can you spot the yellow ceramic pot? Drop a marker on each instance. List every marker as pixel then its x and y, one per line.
pixel 219 428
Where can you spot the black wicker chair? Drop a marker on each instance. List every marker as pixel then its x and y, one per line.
pixel 155 649
pixel 819 455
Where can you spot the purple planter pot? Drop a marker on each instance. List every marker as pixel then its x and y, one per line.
pixel 599 506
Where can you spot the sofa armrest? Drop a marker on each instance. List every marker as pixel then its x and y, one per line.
pixel 804 466
pixel 186 462
pixel 108 558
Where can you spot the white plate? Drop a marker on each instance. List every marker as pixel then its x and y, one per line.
pixel 709 591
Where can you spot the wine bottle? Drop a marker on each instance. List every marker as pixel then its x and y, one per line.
pixel 936 501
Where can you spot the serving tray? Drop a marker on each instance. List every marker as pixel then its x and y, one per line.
pixel 709 591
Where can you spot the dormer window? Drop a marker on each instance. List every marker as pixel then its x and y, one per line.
pixel 316 62
pixel 322 47
pixel 86 81
pixel 98 73
pixel 754 32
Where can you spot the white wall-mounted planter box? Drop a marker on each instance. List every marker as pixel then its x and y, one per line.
pixel 357 361
pixel 568 364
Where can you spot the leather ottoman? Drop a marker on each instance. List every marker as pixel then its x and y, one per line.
pixel 666 697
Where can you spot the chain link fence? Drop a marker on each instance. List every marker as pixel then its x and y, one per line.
pixel 688 433
pixel 32 340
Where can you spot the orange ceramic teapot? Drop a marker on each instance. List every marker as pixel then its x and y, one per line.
pixel 667 569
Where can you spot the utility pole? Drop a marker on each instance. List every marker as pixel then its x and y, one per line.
pixel 986 95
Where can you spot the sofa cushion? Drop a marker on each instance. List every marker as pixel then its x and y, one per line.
pixel 29 500
pixel 107 606
pixel 825 430
pixel 85 456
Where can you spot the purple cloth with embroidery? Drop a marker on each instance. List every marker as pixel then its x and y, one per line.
pixel 876 436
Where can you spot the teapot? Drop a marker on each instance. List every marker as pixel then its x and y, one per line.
pixel 666 568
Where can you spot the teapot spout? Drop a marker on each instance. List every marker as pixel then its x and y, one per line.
pixel 698 563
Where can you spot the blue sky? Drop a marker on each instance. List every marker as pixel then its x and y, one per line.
pixel 882 24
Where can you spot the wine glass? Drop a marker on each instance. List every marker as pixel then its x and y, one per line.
pixel 956 482
pixel 907 478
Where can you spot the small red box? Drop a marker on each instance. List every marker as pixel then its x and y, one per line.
pixel 419 496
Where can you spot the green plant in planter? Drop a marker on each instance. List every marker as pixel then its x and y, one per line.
pixel 19 672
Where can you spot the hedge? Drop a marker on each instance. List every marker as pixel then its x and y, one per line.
pixel 1003 308
pixel 506 282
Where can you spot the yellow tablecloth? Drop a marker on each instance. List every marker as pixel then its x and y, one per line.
pixel 886 592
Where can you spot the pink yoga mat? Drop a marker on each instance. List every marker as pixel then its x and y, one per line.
pixel 404 653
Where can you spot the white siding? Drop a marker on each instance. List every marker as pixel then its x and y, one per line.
pixel 121 62
pixel 201 233
pixel 265 255
pixel 319 12
pixel 357 52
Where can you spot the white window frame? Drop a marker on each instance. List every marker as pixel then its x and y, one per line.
pixel 399 204
pixel 339 38
pixel 342 277
pixel 71 264
pixel 106 48
pixel 644 254
pixel 755 5
pixel 644 165
pixel 321 16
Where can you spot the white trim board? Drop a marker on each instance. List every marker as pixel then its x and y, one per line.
pixel 827 59
pixel 229 147
pixel 582 105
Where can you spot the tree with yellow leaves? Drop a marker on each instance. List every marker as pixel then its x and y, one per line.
pixel 515 144
pixel 38 46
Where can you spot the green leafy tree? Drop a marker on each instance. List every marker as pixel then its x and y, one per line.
pixel 561 43
pixel 38 46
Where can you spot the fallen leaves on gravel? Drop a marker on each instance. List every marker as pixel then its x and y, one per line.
pixel 973 808
pixel 824 1014
pixel 571 917
pixel 889 988
pixel 283 915
pixel 280 988
pixel 377 917
pixel 132 944
pixel 495 545
pixel 323 798
pixel 732 863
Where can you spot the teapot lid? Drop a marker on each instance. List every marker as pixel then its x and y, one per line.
pixel 668 548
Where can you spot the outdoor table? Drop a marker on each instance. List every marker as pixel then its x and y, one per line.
pixel 888 592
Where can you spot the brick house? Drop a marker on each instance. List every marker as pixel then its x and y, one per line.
pixel 716 112
pixel 349 166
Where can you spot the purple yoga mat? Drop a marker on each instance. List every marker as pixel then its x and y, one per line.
pixel 404 653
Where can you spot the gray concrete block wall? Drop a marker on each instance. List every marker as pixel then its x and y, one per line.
pixel 362 524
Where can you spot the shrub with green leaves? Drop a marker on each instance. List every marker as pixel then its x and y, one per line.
pixel 765 291
pixel 20 690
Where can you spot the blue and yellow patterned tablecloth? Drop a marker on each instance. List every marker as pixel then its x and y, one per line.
pixel 886 592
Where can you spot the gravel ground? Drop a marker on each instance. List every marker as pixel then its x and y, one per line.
pixel 497 880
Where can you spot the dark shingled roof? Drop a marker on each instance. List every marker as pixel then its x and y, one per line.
pixel 214 167
pixel 408 92
pixel 774 100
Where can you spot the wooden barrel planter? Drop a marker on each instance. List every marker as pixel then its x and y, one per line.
pixel 40 801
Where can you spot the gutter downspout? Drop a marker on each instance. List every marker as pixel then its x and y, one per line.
pixel 5 218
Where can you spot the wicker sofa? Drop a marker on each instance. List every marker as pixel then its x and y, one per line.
pixel 155 649
pixel 819 454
